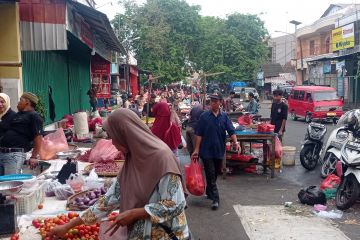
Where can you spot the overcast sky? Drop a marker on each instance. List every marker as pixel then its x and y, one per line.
pixel 275 13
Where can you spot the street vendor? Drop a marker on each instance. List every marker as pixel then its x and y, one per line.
pixel 279 113
pixel 210 142
pixel 253 106
pixel 25 133
pixel 151 199
pixel 149 106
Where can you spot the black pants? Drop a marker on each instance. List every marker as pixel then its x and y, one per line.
pixel 212 167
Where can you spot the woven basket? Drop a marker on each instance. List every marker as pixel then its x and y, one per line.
pixel 26 204
pixel 90 167
pixel 72 207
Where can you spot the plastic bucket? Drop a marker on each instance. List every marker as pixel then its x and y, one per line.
pixel 288 155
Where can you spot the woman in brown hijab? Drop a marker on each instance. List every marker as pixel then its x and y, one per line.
pixel 148 190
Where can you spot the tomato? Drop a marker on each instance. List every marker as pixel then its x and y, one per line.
pixel 15 236
pixel 40 206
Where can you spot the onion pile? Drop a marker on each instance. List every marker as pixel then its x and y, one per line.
pixel 89 199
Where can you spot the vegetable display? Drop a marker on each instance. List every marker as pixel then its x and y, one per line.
pixel 85 199
pixel 45 225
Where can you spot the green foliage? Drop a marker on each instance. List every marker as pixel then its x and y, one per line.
pixel 174 39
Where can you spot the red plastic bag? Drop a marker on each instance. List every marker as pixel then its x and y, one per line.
pixel 103 151
pixel 52 144
pixel 265 128
pixel 331 181
pixel 278 148
pixel 173 136
pixel 245 119
pixel 93 122
pixel 194 179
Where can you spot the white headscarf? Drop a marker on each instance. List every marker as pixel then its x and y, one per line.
pixel 7 104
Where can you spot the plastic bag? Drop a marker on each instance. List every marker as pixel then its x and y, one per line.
pixel 63 192
pixel 92 181
pixel 245 119
pixel 103 151
pixel 311 196
pixel 278 148
pixel 52 144
pixel 265 128
pixel 93 122
pixel 76 182
pixel 195 183
pixel 331 214
pixel 50 188
pixel 331 181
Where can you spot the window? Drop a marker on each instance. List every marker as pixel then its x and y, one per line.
pixel 296 94
pixel 308 97
pixel 312 47
pixel 301 95
pixel 327 45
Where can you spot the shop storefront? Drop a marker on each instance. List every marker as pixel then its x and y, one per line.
pixel 60 64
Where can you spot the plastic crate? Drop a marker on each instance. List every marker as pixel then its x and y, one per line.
pixel 26 204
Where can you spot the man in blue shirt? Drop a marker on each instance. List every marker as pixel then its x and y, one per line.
pixel 210 144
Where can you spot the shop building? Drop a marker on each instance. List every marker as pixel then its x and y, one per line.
pixel 64 44
pixel 10 54
pixel 327 52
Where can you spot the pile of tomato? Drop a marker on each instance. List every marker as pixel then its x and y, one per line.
pixel 82 232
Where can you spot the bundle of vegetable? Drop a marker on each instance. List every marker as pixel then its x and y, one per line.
pixel 84 200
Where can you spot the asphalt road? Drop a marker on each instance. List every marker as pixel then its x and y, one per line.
pixel 253 189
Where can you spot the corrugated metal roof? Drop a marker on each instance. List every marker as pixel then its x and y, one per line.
pixel 43 36
pixel 99 22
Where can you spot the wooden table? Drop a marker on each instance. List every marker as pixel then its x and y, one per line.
pixel 264 138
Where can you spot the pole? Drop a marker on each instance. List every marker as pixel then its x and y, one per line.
pixel 148 101
pixel 301 59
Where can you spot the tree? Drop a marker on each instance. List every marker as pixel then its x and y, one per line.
pixel 174 39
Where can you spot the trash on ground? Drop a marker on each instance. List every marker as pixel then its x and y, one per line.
pixel 330 214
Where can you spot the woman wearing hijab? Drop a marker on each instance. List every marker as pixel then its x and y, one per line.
pixel 6 113
pixel 148 190
pixel 166 126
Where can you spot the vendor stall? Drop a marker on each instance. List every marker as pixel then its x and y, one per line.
pixel 251 136
pixel 52 197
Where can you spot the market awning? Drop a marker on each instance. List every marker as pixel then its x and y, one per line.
pixel 99 22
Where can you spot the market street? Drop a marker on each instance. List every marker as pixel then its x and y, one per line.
pixel 259 190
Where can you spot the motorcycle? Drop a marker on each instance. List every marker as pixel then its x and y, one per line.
pixel 335 142
pixel 348 191
pixel 312 146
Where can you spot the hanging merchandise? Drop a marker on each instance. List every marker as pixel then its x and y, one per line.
pixel 100 76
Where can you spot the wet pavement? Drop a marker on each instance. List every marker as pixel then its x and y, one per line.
pixel 258 190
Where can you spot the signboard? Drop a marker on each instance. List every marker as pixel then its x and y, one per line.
pixel 100 77
pixel 343 37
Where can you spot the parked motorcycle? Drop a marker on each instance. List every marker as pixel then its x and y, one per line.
pixel 312 146
pixel 348 191
pixel 338 137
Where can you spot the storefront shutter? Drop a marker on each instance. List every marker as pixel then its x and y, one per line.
pixel 42 69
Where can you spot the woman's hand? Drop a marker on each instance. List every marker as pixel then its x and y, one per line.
pixel 126 218
pixel 59 231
